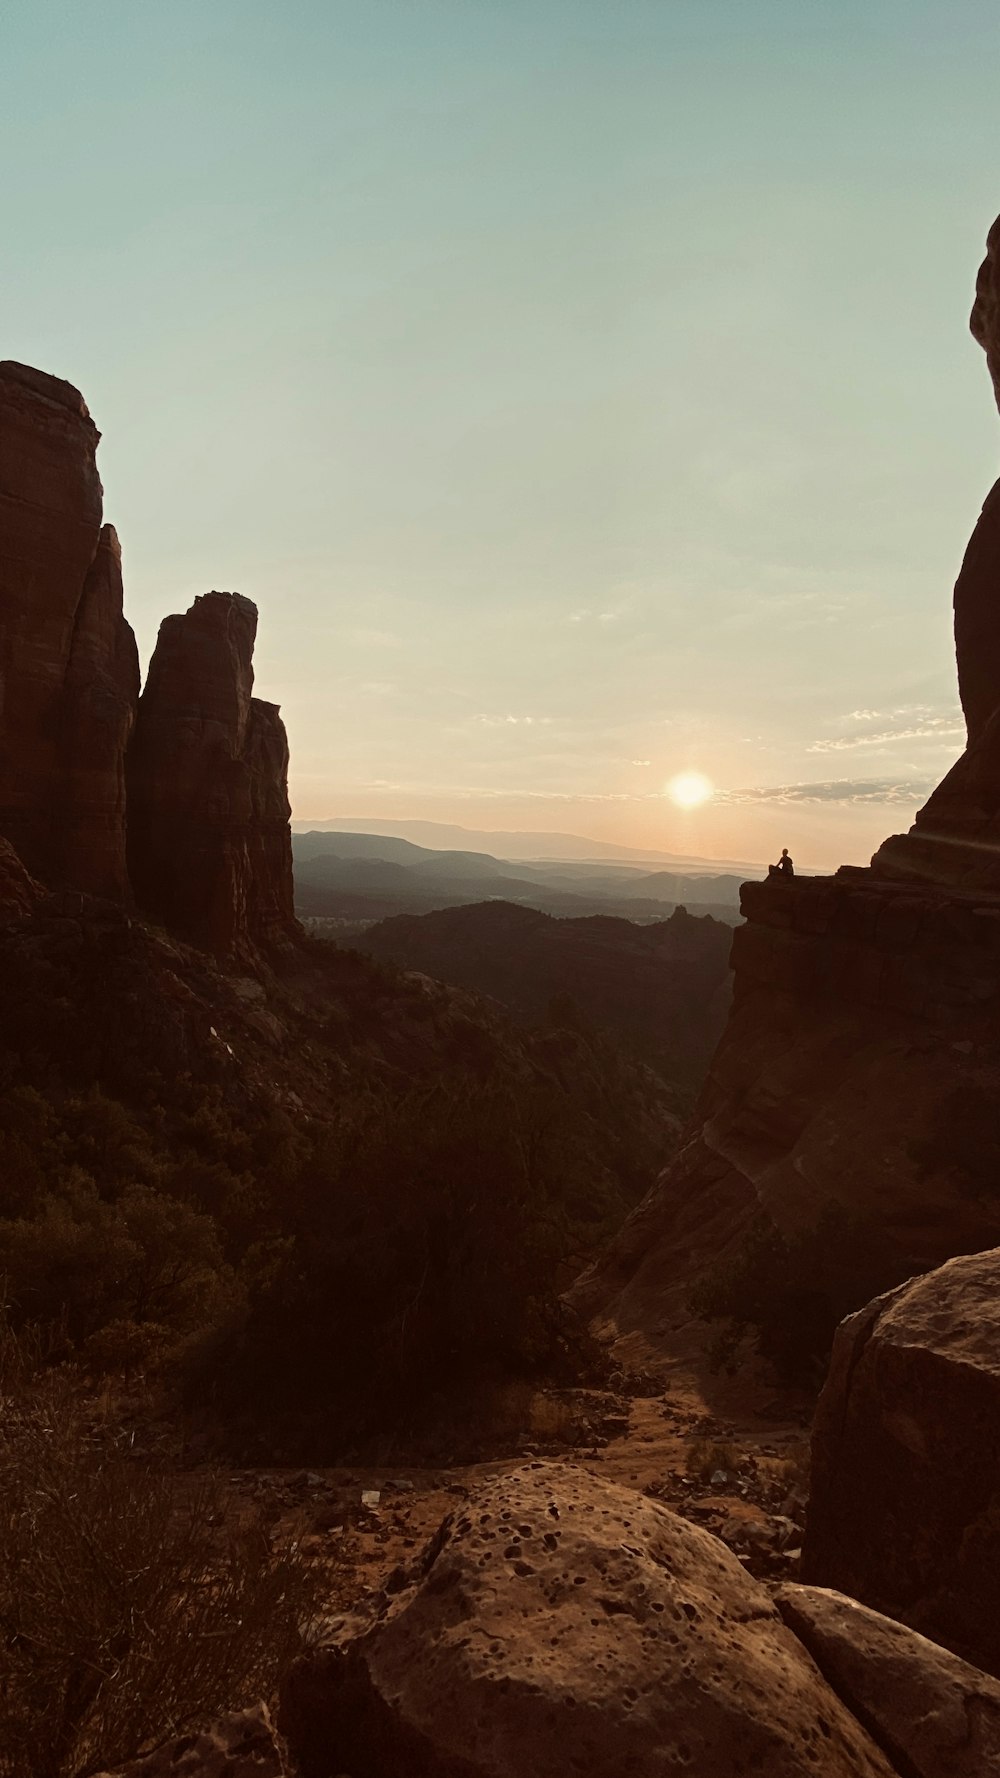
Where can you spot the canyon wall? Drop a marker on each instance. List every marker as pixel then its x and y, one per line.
pixel 175 802
pixel 860 1066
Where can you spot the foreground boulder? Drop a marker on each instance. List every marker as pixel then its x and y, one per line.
pixel 69 672
pixel 562 1625
pixel 904 1509
pixel 934 1715
pixel 209 841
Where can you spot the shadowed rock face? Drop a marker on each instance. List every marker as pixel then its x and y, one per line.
pixel 69 675
pixel 100 697
pixel 956 836
pixel 933 1714
pixel 209 847
pixel 241 1745
pixel 864 1012
pixel 903 1509
pixel 984 322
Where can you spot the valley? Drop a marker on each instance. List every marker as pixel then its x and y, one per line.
pixel 555 1331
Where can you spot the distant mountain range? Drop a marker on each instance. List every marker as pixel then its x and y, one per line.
pixel 358 877
pixel 663 989
pixel 440 836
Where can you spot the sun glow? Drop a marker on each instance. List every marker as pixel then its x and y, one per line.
pixel 690 789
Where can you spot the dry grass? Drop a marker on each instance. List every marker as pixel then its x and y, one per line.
pixel 128 1612
pixel 705 1456
pixel 793 1470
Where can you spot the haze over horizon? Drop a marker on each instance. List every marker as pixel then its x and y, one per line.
pixel 583 392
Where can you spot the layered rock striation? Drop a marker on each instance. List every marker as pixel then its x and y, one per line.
pixel 178 801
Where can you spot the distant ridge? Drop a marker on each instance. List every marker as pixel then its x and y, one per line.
pixel 444 836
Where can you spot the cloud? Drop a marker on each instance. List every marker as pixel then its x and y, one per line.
pixel 513 721
pixel 937 728
pixel 908 722
pixel 848 791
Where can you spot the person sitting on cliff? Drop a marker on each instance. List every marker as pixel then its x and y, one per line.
pixel 784 866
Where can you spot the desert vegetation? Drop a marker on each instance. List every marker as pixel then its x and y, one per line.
pixel 321 1243
pixel 783 1295
pixel 130 1602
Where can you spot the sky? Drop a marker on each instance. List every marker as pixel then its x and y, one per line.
pixel 582 389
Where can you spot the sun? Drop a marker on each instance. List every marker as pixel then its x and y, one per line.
pixel 690 789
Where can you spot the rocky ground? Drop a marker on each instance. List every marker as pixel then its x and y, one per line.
pixel 740 1475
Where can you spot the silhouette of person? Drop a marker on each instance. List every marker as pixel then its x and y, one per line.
pixel 784 866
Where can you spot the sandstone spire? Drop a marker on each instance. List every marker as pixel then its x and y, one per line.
pixel 209 844
pixel 69 675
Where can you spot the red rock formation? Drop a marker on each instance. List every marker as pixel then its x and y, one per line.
pixel 68 666
pixel 865 1022
pixel 19 892
pixel 863 1013
pixel 956 836
pixel 97 715
pixel 903 1509
pixel 933 1714
pixel 209 844
pixel 984 322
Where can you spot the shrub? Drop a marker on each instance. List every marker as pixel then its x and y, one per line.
pixel 428 1237
pixel 126 1613
pixel 964 1142
pixel 83 1262
pixel 705 1456
pixel 788 1293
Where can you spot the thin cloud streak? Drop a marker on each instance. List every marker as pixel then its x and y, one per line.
pixel 486 721
pixel 937 728
pixel 847 791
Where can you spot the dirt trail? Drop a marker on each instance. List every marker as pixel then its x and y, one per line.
pixel 730 1458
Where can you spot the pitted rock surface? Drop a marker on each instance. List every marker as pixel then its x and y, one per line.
pixel 935 1716
pixel 904 1509
pixel 564 1627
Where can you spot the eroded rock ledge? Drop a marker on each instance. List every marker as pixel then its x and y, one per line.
pixel 865 1015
